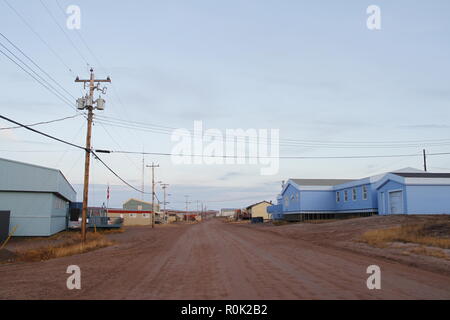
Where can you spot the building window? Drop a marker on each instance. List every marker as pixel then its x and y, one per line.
pixel 345 195
pixel 286 201
pixel 364 192
pixel 132 215
pixel 145 215
pixel 354 194
pixel 338 196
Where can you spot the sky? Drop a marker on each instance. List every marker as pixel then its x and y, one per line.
pixel 311 69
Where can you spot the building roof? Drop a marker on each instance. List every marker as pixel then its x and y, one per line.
pixel 320 182
pixel 255 204
pixel 422 175
pixel 25 177
pixel 138 200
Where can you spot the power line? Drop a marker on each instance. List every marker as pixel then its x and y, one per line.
pixel 56 93
pixel 42 122
pixel 39 36
pixel 35 64
pixel 42 133
pixel 279 157
pixel 225 156
pixel 283 141
pixel 62 30
pixel 113 172
pixel 73 145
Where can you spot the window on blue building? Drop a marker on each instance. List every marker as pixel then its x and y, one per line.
pixel 354 194
pixel 338 196
pixel 345 195
pixel 364 192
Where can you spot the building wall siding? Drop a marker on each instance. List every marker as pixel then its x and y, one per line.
pixel 359 203
pixel 30 212
pixel 260 210
pixel 317 200
pixel 428 199
pixel 138 220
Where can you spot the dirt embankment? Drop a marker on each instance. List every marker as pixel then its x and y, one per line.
pixel 349 235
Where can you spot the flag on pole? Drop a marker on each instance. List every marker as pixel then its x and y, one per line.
pixel 107 193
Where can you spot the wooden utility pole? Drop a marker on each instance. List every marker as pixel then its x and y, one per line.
pixel 153 166
pixel 87 103
pixel 187 203
pixel 164 186
pixel 424 160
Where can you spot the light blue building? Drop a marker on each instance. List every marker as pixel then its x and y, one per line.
pixel 407 191
pixel 37 197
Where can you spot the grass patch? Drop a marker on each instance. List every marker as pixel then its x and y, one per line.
pixel 320 221
pixel 429 234
pixel 72 245
pixel 437 253
pixel 280 222
pixel 111 231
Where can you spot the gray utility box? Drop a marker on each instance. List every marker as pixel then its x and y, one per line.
pixel 4 225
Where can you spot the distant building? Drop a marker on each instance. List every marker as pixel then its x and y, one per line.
pixel 406 191
pixel 37 198
pixel 227 212
pixel 136 213
pixel 132 217
pixel 259 210
pixel 135 204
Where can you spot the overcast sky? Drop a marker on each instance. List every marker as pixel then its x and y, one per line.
pixel 311 69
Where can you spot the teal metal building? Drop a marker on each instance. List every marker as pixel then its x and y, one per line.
pixel 37 198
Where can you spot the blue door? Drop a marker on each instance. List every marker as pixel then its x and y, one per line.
pixel 396 202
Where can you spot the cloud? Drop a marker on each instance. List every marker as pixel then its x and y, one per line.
pixel 427 126
pixel 8 135
pixel 230 175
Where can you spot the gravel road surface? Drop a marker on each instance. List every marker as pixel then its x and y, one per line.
pixel 216 260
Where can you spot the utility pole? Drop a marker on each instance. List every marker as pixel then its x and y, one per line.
pixel 87 102
pixel 187 205
pixel 164 186
pixel 153 166
pixel 143 176
pixel 424 160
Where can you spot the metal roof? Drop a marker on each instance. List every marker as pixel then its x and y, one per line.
pixel 255 204
pixel 320 182
pixel 422 175
pixel 24 177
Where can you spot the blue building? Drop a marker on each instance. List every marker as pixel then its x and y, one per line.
pixel 408 191
pixel 37 198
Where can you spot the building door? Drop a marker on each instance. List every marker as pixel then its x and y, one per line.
pixel 382 204
pixel 4 225
pixel 396 202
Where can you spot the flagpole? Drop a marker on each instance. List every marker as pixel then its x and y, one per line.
pixel 107 197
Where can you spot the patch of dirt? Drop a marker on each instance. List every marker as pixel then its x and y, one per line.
pixel 216 260
pixel 346 235
pixel 6 256
pixel 438 230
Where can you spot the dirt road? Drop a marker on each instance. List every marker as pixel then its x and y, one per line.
pixel 215 260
